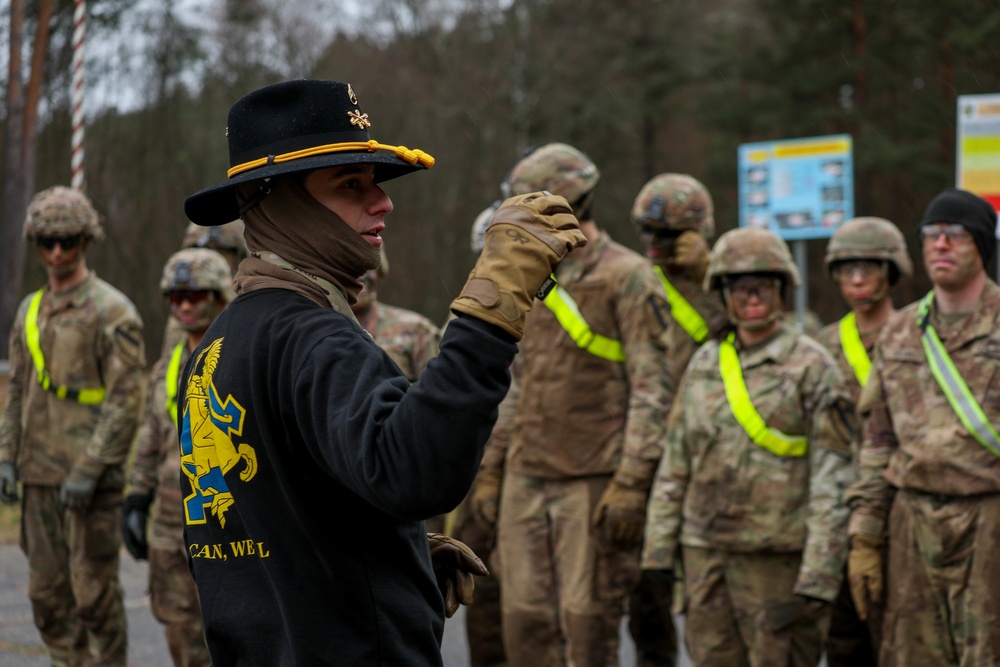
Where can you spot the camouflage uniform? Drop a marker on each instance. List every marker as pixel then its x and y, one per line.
pixel 853 642
pixel 155 475
pixel 91 336
pixel 668 207
pixel 754 527
pixel 408 337
pixel 584 426
pixel 929 488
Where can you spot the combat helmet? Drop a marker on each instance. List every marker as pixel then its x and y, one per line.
pixel 62 211
pixel 479 225
pixel 870 238
pixel 224 238
pixel 677 202
pixel 200 269
pixel 560 169
pixel 750 250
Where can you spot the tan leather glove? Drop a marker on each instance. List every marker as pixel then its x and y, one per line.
pixel 864 572
pixel 484 499
pixel 691 255
pixel 620 516
pixel 454 566
pixel 526 239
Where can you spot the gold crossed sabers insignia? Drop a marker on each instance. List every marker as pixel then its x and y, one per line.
pixel 359 119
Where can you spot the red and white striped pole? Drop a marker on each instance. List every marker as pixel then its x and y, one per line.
pixel 79 30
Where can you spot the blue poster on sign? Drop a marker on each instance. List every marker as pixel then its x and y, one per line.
pixel 798 188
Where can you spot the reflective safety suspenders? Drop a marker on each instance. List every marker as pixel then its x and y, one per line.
pixel 89 396
pixel 572 321
pixel 746 414
pixel 682 311
pixel 173 375
pixel 950 380
pixel 854 349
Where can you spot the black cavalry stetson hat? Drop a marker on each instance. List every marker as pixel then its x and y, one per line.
pixel 297 126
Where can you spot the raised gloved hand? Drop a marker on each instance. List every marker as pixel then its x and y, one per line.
pixel 135 514
pixel 620 515
pixel 864 572
pixel 78 488
pixel 526 239
pixel 8 483
pixel 454 566
pixel 801 609
pixel 691 255
pixel 484 499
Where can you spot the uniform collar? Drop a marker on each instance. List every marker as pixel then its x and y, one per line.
pixel 580 262
pixel 982 321
pixel 775 350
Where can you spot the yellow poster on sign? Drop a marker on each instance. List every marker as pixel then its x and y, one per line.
pixel 977 162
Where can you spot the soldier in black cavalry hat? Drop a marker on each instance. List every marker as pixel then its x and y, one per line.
pixel 310 462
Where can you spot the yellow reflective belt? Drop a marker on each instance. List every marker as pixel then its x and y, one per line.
pixel 91 396
pixel 950 380
pixel 746 414
pixel 173 374
pixel 682 311
pixel 572 321
pixel 854 349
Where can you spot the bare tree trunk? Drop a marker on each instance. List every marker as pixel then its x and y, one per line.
pixel 33 94
pixel 14 198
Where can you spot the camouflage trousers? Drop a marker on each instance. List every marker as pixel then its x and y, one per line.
pixel 562 596
pixel 174 601
pixel 482 617
pixel 726 595
pixel 853 642
pixel 76 598
pixel 943 605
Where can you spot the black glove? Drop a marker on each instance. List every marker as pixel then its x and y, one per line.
pixel 801 609
pixel 454 564
pixel 659 582
pixel 8 483
pixel 135 513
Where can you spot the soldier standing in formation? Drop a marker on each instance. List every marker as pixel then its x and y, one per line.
pixel 928 485
pixel 866 257
pixel 227 240
pixel 76 361
pixel 673 214
pixel 587 435
pixel 198 284
pixel 750 487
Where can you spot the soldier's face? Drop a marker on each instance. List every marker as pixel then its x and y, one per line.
pixel 368 292
pixel 754 299
pixel 195 310
pixel 350 191
pixel 862 282
pixel 950 255
pixel 61 255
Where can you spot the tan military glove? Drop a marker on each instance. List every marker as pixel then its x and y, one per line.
pixel 864 572
pixel 454 566
pixel 484 499
pixel 525 241
pixel 620 516
pixel 691 255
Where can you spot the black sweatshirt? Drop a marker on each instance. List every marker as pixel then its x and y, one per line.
pixel 311 464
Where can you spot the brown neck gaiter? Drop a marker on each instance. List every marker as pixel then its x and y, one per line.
pixel 317 242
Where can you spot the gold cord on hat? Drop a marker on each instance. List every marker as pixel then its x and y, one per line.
pixel 402 152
